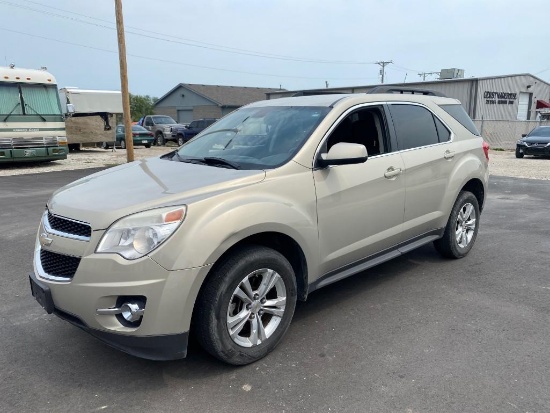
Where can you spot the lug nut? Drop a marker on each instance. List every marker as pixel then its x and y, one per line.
pixel 256 296
pixel 261 312
pixel 252 316
pixel 263 300
pixel 248 306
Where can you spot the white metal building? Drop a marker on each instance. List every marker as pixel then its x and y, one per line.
pixel 509 97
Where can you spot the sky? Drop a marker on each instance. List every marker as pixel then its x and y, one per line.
pixel 290 44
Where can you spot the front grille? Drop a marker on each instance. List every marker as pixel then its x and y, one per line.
pixel 28 142
pixel 58 265
pixel 68 226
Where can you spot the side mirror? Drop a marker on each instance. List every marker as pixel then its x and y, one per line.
pixel 523 135
pixel 344 153
pixel 70 108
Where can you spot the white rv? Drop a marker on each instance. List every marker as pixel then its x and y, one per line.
pixel 90 116
pixel 31 121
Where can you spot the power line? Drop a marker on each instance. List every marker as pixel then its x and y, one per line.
pixel 175 62
pixel 182 41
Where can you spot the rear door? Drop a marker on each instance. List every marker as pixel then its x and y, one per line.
pixel 425 144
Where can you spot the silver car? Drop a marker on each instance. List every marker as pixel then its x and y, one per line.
pixel 221 237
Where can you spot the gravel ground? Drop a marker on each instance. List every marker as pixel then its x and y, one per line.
pixel 502 163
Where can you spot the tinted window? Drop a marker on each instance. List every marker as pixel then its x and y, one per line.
pixel 458 112
pixel 193 124
pixel 137 128
pixel 442 131
pixel 201 125
pixel 414 126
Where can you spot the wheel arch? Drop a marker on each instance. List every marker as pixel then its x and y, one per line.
pixel 475 186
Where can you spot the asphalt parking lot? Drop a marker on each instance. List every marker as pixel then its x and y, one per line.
pixel 417 334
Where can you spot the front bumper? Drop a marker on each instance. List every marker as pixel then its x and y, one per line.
pixel 100 281
pixel 34 154
pixel 162 347
pixel 534 150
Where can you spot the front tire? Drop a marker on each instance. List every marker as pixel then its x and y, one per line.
pixel 104 145
pixel 245 307
pixel 519 154
pixel 159 139
pixel 462 227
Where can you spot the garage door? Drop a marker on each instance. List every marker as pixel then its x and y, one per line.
pixel 523 105
pixel 185 116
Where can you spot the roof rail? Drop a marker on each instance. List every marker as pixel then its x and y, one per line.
pixel 405 90
pixel 316 92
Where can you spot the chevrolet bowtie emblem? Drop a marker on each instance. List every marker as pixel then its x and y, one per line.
pixel 45 241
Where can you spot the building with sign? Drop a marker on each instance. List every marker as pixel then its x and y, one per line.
pixel 510 97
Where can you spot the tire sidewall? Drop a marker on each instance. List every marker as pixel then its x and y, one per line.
pixel 123 144
pixel 218 316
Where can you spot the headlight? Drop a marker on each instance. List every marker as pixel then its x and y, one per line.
pixel 62 140
pixel 136 235
pixel 167 129
pixel 520 142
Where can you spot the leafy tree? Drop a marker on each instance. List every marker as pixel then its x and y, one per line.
pixel 141 105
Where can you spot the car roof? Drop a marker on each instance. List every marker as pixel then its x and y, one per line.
pixel 329 100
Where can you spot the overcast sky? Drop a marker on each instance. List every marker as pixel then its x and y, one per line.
pixel 295 44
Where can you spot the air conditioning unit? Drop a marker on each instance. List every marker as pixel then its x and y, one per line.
pixel 453 73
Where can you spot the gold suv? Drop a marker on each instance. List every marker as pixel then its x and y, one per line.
pixel 222 236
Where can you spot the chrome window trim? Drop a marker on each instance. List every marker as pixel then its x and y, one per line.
pixel 50 230
pixel 43 274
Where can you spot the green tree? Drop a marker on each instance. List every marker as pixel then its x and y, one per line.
pixel 141 105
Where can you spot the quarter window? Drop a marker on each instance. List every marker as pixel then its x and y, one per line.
pixel 442 131
pixel 414 126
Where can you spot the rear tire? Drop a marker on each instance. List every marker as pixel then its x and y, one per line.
pixel 235 317
pixel 104 145
pixel 147 145
pixel 462 227
pixel 181 140
pixel 519 154
pixel 123 144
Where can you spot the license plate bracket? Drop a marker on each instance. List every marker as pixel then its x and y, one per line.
pixel 42 294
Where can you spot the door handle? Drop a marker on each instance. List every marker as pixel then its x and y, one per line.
pixel 392 172
pixel 449 155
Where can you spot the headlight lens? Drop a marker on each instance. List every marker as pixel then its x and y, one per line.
pixel 167 129
pixel 137 235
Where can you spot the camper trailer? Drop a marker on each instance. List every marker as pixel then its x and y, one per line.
pixel 90 116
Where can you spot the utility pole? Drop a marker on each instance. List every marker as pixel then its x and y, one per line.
pixel 124 82
pixel 424 74
pixel 383 65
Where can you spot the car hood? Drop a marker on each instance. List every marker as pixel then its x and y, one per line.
pixel 103 197
pixel 536 139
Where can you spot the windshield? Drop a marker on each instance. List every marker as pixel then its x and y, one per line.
pixel 540 131
pixel 29 99
pixel 256 138
pixel 164 120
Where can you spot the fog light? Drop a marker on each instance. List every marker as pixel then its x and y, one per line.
pixel 131 311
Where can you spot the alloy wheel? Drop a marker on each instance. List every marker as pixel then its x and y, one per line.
pixel 256 307
pixel 465 225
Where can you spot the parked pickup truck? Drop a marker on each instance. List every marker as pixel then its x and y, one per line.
pixel 182 134
pixel 161 126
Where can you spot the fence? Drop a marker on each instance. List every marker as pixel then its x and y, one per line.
pixel 504 133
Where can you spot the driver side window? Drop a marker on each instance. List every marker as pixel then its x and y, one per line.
pixel 365 127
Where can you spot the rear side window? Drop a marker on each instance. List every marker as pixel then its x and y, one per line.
pixel 414 126
pixel 458 112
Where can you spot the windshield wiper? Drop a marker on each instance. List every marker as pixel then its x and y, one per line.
pixel 35 111
pixel 213 160
pixel 9 114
